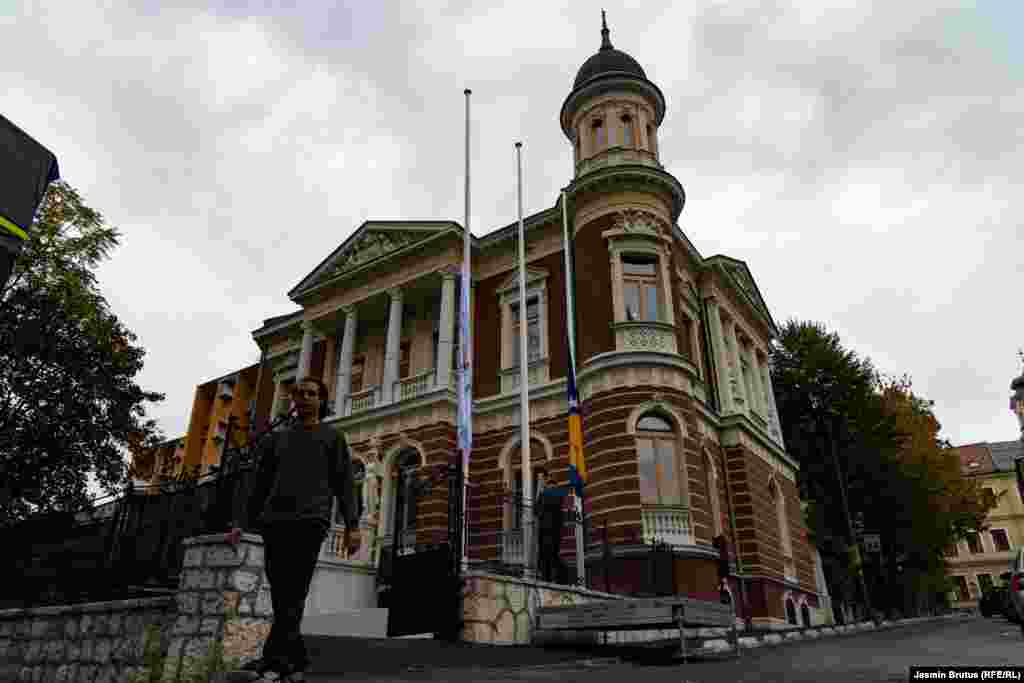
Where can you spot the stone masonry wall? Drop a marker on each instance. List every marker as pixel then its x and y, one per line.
pixel 89 643
pixel 223 597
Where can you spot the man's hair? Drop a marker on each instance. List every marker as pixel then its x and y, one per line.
pixel 321 392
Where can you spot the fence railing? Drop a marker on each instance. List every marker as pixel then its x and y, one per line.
pixel 128 546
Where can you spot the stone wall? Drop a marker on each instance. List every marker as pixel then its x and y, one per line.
pixel 502 610
pixel 223 597
pixel 98 642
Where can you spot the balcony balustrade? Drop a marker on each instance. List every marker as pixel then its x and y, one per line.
pixel 668 524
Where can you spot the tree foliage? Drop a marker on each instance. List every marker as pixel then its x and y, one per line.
pixel 69 403
pixel 847 423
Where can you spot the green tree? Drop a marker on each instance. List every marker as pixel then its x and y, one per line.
pixel 845 423
pixel 69 404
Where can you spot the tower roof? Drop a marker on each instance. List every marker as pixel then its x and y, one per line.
pixel 607 61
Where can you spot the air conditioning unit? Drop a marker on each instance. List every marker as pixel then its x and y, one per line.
pixel 226 390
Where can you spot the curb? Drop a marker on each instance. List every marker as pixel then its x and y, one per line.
pixel 720 645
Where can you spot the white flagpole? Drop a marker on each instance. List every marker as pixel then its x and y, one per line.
pixel 524 385
pixel 466 364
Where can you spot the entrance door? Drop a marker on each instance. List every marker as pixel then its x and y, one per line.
pixel 406 494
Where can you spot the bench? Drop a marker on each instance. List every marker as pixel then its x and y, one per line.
pixel 648 613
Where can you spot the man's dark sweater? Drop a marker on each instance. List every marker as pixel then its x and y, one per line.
pixel 300 470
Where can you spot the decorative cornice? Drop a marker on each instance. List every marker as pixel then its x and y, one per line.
pixel 626 176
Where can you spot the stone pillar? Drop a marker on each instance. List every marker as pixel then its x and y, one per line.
pixel 306 355
pixel 618 302
pixel 446 331
pixel 276 401
pixel 343 381
pixel 223 597
pixel 757 400
pixel 775 427
pixel 721 356
pixel 739 387
pixel 392 350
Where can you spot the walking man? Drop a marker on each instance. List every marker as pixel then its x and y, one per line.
pixel 301 469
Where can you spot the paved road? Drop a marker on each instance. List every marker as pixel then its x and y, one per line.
pixel 882 656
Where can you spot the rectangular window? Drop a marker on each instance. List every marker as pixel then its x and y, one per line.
pixel 974 543
pixel 358 366
pixel 404 355
pixel 1000 540
pixel 533 344
pixel 627 131
pixel 640 287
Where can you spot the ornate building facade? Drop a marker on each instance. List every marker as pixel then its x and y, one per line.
pixel 681 432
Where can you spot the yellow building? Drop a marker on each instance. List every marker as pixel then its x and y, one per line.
pixel 982 560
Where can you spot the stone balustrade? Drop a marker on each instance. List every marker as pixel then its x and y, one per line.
pixel 667 524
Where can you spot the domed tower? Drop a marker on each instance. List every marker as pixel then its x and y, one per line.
pixel 623 206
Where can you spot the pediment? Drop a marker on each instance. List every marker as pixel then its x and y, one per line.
pixel 371 243
pixel 741 277
pixel 512 281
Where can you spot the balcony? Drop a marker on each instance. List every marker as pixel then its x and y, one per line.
pixel 668 524
pixel 617 156
pixel 645 336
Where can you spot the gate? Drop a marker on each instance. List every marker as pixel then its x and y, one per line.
pixel 422 582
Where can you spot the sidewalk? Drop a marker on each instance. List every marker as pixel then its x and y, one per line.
pixel 350 659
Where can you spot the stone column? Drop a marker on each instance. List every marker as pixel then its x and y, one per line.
pixel 740 387
pixel 276 401
pixel 775 427
pixel 757 400
pixel 446 331
pixel 618 303
pixel 392 350
pixel 343 381
pixel 721 356
pixel 223 597
pixel 306 355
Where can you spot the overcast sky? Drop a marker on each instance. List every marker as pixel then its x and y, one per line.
pixel 863 159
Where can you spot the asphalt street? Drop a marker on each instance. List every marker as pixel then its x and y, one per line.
pixel 871 656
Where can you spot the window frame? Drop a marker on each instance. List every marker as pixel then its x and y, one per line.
pixel 656 438
pixel 644 284
pixel 508 298
pixel 1005 536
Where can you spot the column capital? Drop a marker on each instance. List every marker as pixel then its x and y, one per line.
pixel 307 325
pixel 349 310
pixel 449 276
pixel 395 293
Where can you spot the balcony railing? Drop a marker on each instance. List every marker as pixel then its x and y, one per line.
pixel 512 546
pixel 645 336
pixel 364 400
pixel 411 387
pixel 668 524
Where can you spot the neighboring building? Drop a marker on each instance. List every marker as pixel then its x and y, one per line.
pixel 682 437
pixel 983 560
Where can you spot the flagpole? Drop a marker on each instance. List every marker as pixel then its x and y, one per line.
pixel 524 385
pixel 465 403
pixel 570 317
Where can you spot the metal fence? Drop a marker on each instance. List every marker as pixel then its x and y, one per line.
pixel 128 547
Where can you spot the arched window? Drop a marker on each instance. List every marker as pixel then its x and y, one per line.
pixel 403 476
pixel 656 446
pixel 627 131
pixel 711 486
pixel 514 502
pixel 599 134
pixel 789 569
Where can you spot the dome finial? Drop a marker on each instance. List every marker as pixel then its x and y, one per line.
pixel 606 43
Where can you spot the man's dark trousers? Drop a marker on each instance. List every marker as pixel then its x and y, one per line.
pixel 291 550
